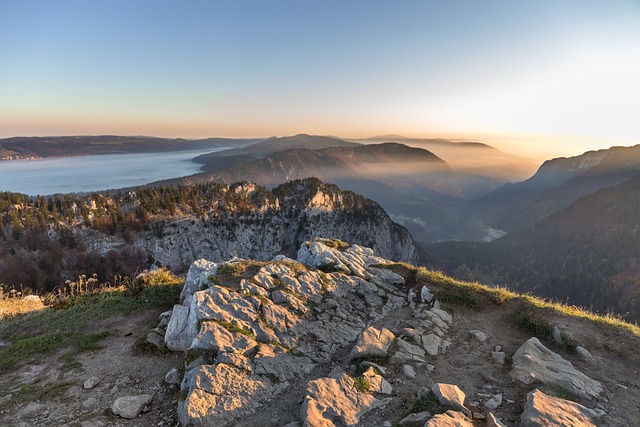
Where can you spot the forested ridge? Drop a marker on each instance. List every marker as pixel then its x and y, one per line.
pixel 48 240
pixel 587 254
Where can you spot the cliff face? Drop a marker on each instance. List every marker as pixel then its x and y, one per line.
pixel 269 223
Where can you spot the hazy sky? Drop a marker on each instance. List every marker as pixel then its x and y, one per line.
pixel 557 77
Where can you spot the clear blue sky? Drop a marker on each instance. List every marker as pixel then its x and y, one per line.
pixel 527 76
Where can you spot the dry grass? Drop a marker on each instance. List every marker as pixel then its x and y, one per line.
pixel 473 295
pixel 12 305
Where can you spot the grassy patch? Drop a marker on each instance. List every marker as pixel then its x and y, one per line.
pixel 557 391
pixel 429 403
pixel 335 244
pixel 538 328
pixel 34 393
pixel 49 330
pixel 362 384
pixel 229 271
pixel 232 327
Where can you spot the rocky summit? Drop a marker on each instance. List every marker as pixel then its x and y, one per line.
pixel 342 337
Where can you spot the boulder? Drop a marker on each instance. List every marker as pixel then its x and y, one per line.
pixel 541 410
pixel 131 406
pixel 373 342
pixel 534 362
pixel 198 277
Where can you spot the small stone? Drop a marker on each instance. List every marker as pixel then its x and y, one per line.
pixel 557 336
pixel 131 406
pixel 494 402
pixel 430 368
pixel 409 371
pixel 479 335
pixel 449 419
pixel 387 424
pixel 584 353
pixel 499 357
pixel 91 382
pixel 425 295
pixel 172 377
pixel 498 348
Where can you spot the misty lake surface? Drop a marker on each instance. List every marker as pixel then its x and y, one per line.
pixel 95 173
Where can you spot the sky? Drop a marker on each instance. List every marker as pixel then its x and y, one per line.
pixel 540 78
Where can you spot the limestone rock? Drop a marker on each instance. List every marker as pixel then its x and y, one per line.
pixel 172 377
pixel 425 295
pixel 335 397
pixel 131 406
pixel 479 335
pixel 376 382
pixel 91 382
pixel 409 371
pixel 198 277
pixel 219 394
pixel 541 410
pixel 451 395
pixel 449 419
pixel 373 342
pixel 494 402
pixel 534 362
pixel 584 354
pixel 431 343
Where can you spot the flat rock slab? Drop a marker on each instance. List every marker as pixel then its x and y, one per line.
pixel 335 397
pixel 131 406
pixel 541 410
pixel 534 362
pixel 373 342
pixel 449 419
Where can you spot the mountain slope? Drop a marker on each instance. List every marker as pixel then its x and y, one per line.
pixel 556 184
pixel 588 253
pixel 215 161
pixel 413 185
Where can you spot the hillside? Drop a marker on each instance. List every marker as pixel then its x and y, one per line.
pixel 586 254
pixel 556 184
pixel 49 240
pixel 61 146
pixel 215 161
pixel 337 337
pixel 418 189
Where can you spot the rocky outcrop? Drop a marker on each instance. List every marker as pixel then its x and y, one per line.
pixel 250 222
pixel 332 339
pixel 533 362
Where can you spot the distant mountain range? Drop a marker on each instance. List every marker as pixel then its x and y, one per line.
pixel 60 146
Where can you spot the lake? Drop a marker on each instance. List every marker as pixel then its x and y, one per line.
pixel 95 173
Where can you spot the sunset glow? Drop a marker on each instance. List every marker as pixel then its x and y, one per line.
pixel 538 78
